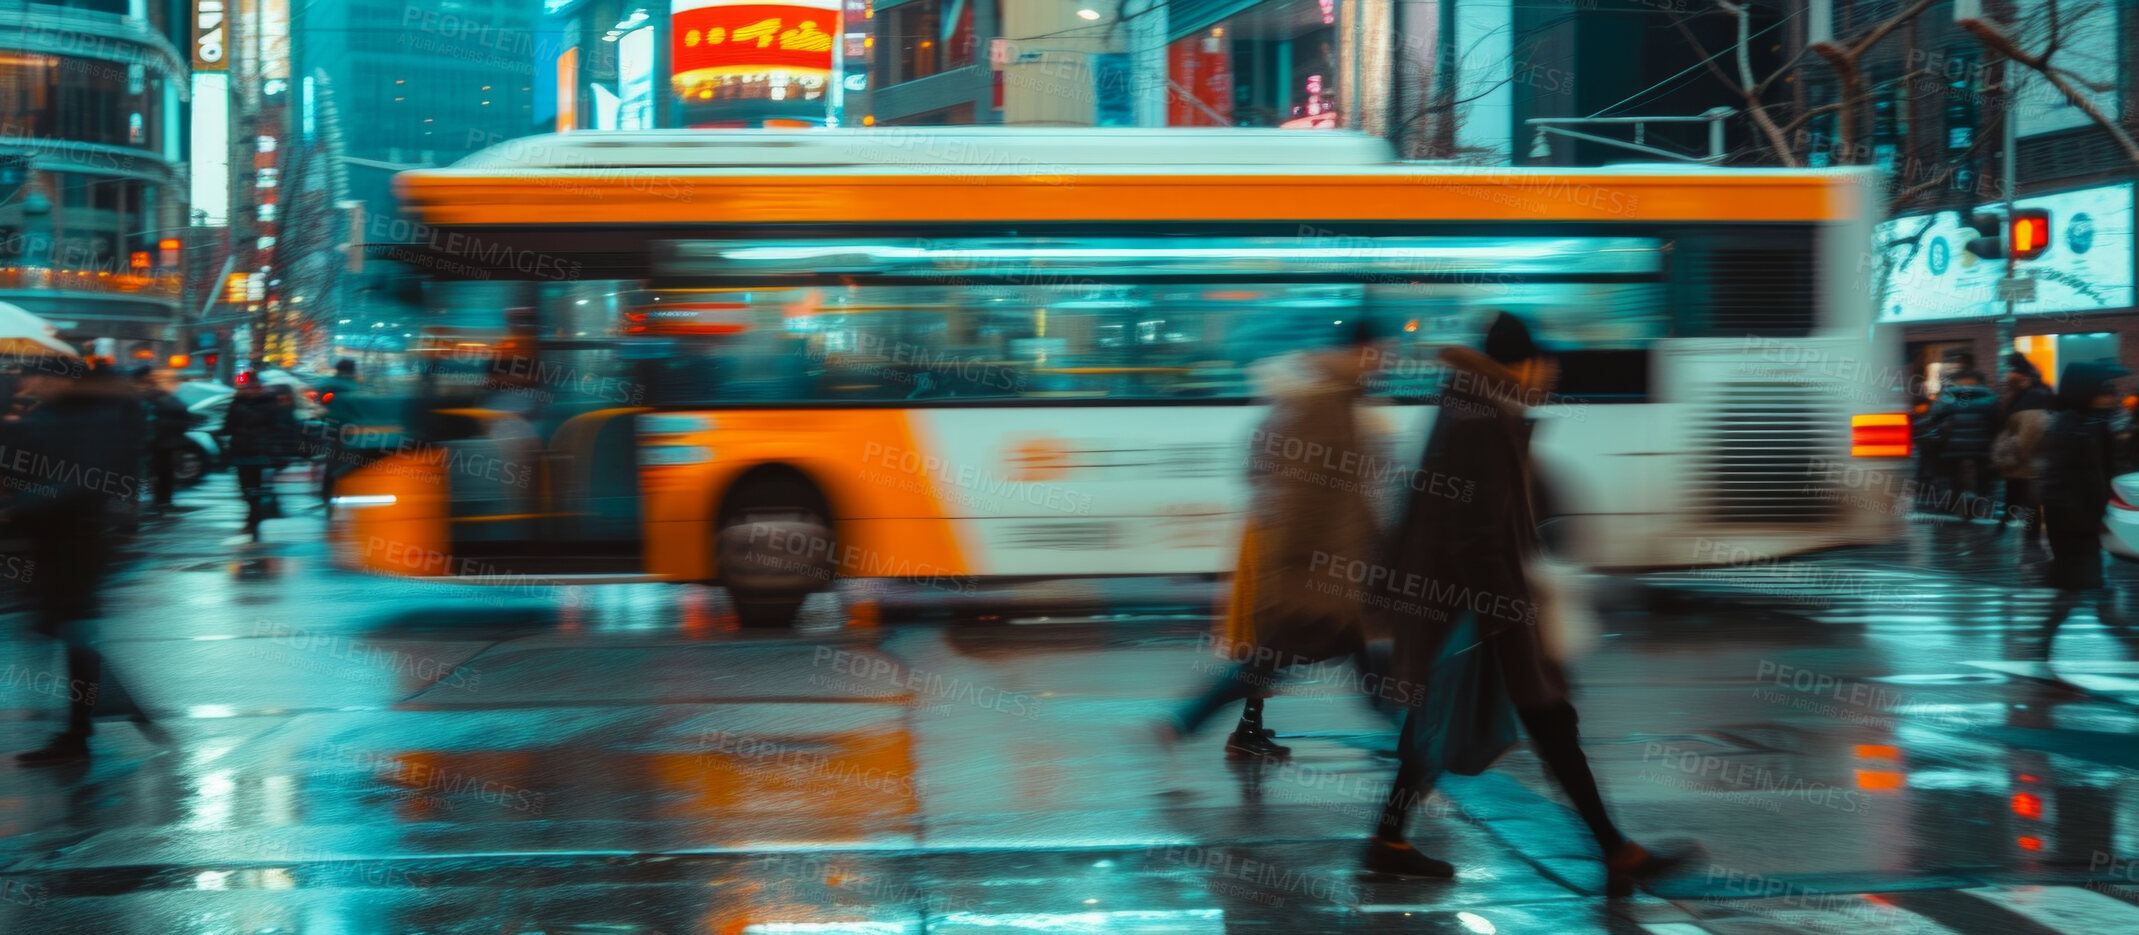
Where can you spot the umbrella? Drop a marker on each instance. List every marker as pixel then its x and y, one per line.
pixel 25 335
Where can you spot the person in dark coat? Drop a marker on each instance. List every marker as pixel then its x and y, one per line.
pixel 337 394
pixel 168 423
pixel 2027 408
pixel 1469 556
pixel 1308 469
pixel 264 436
pixel 1965 421
pixel 2078 460
pixel 72 459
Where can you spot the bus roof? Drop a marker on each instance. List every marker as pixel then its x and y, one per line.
pixel 1026 175
pixel 1047 148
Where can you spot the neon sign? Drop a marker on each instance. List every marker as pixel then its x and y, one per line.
pixel 753 37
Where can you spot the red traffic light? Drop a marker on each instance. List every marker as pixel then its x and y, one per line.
pixel 2030 233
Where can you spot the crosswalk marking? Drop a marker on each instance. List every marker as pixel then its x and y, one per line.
pixel 2107 676
pixel 2069 909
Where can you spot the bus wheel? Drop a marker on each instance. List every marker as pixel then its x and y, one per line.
pixel 774 546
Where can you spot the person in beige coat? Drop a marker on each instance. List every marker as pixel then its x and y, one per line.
pixel 1310 470
pixel 2013 454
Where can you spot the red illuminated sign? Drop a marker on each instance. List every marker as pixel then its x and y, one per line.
pixel 751 37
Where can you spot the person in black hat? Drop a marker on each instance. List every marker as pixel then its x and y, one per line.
pixel 2079 459
pixel 1471 555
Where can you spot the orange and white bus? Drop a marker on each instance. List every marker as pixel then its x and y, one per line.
pixel 769 359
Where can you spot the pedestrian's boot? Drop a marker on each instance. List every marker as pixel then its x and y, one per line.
pixel 1400 859
pixel 1632 865
pixel 1252 741
pixel 64 748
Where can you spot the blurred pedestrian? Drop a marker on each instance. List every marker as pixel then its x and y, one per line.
pixel 263 436
pixel 337 395
pixel 2078 461
pixel 168 423
pixel 77 457
pixel 1964 420
pixel 2027 407
pixel 1308 509
pixel 1471 634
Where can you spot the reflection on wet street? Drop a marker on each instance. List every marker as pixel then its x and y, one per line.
pixel 1886 741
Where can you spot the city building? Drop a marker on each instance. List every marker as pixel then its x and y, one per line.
pixel 93 183
pixel 418 82
pixel 1941 103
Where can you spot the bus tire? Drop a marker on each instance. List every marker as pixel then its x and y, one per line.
pixel 774 545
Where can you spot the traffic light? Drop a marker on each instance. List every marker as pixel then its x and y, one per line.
pixel 2030 233
pixel 1990 242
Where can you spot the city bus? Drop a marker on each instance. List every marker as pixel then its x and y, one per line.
pixel 774 359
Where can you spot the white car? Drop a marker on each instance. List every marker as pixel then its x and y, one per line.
pixel 2122 539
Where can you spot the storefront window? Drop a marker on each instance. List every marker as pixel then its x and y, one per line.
pixel 1273 64
pixel 82 100
pixel 929 37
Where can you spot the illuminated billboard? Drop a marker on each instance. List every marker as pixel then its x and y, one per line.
pixel 211 36
pixel 710 38
pixel 635 79
pixel 568 90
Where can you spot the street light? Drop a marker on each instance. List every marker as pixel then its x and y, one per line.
pixel 1088 13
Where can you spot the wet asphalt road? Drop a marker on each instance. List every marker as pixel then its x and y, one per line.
pixel 1885 741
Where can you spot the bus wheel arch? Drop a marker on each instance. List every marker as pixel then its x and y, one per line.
pixel 773 543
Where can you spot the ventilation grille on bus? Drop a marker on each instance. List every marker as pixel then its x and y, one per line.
pixel 1768 450
pixel 1764 292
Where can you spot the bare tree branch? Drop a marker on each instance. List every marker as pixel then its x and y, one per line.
pixel 1997 41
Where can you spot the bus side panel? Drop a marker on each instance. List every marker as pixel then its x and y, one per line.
pixel 888 520
pixel 1126 490
pixel 408 536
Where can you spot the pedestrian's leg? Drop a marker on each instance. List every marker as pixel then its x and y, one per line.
pixel 249 486
pixel 85 671
pixel 1241 681
pixel 164 464
pixel 1553 733
pixel 1389 851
